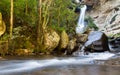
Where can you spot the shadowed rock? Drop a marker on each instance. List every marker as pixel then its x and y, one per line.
pixel 114 44
pixel 97 41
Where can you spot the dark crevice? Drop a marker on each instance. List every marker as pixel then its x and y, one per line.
pixel 113 19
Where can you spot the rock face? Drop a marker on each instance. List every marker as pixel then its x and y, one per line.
pixel 2 25
pixel 106 15
pixel 97 41
pixel 51 40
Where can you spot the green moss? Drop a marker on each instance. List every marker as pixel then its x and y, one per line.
pixel 57 28
pixel 91 24
pixel 114 35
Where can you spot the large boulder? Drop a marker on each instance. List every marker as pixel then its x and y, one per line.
pixel 51 40
pixel 63 40
pixel 97 41
pixel 2 25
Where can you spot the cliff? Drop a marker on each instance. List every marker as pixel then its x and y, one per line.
pixel 106 15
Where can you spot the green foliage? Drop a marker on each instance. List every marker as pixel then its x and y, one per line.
pixel 91 24
pixel 114 35
pixel 25 11
pixel 5 37
pixel 61 15
pixel 5 7
pixel 57 14
pixel 20 43
pixel 57 28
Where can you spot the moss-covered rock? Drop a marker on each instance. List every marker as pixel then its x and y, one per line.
pixel 51 40
pixel 63 40
pixel 2 25
pixel 20 43
pixel 23 52
pixel 3 48
pixel 81 38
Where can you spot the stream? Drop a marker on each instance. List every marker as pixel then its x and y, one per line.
pixel 74 65
pixel 91 64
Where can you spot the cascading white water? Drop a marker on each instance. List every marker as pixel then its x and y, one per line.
pixel 81 27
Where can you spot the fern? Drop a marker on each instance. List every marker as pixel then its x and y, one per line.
pixel 91 24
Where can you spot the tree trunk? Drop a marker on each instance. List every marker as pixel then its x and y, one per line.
pixel 11 19
pixel 39 27
pixel 26 7
pixel 43 19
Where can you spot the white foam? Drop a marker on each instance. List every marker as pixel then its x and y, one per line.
pixel 101 56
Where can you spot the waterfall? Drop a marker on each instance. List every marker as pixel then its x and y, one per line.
pixel 81 27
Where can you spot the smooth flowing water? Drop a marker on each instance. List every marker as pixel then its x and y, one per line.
pixel 81 27
pixel 79 65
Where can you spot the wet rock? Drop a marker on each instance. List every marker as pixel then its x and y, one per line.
pixel 71 46
pixel 114 44
pixel 97 41
pixel 117 41
pixel 77 10
pixel 89 31
pixel 20 42
pixel 81 38
pixel 77 42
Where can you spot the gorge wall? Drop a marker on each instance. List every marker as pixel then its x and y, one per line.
pixel 106 15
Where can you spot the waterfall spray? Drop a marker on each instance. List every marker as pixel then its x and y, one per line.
pixel 81 27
